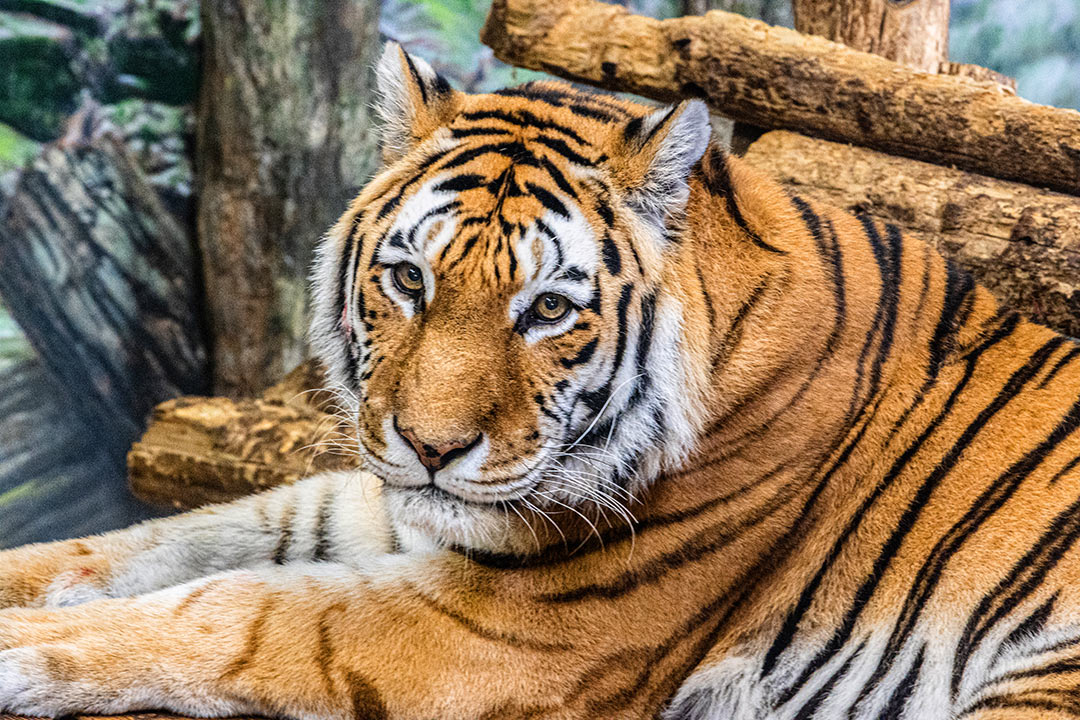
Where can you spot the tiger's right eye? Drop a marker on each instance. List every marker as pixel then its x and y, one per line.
pixel 409 279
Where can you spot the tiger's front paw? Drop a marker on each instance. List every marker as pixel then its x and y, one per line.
pixel 30 684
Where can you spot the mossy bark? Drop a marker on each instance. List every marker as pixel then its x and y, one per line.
pixel 102 280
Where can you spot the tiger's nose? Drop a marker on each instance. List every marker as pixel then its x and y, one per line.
pixel 436 456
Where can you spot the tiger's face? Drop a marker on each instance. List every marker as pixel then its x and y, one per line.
pixel 495 302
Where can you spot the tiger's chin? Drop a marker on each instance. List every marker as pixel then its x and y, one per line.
pixel 427 515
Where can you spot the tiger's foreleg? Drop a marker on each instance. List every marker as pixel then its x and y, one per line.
pixel 324 517
pixel 302 641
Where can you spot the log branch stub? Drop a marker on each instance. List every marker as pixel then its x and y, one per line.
pixel 914 33
pixel 1022 243
pixel 777 78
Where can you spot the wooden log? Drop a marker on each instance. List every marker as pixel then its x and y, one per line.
pixel 284 141
pixel 914 33
pixel 205 450
pixel 102 280
pixel 777 78
pixel 1022 243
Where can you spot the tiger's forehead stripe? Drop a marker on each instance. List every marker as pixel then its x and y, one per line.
pixel 497 168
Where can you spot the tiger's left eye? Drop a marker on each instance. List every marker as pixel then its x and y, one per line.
pixel 408 278
pixel 550 307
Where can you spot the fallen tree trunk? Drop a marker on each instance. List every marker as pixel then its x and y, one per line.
pixel 1022 243
pixel 206 450
pixel 101 279
pixel 777 78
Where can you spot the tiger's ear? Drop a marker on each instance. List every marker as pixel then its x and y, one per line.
pixel 655 155
pixel 414 101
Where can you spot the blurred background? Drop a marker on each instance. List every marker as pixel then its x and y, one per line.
pixel 118 290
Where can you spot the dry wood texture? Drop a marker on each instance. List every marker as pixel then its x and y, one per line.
pixel 101 278
pixel 915 33
pixel 778 78
pixel 205 450
pixel 1022 243
pixel 284 141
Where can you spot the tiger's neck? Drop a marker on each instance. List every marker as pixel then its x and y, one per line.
pixel 818 324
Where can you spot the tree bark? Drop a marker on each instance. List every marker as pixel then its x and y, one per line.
pixel 915 32
pixel 777 78
pixel 284 142
pixel 206 450
pixel 101 279
pixel 1022 243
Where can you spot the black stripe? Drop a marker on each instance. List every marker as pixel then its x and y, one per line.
pixel 889 263
pixel 344 266
pixel 418 173
pixel 321 552
pixel 710 311
pixel 610 253
pixel 833 260
pixel 285 530
pixel 809 709
pixel 791 622
pixel 604 211
pixel 988 503
pixel 564 150
pixel 433 212
pixel 956 307
pixel 733 335
pixel 719 183
pixel 471 131
pixel 514 150
pixel 559 178
pixel 701 544
pixel 1032 625
pixel 888 289
pixel 548 199
pixel 583 355
pixel 894 709
pixel 595 399
pixel 469 245
pixel 645 332
pixel 915 506
pixel 416 76
pixel 1027 574
pixel 460 183
pixel 525 119
pixel 1063 471
pixel 557 98
pixel 1065 360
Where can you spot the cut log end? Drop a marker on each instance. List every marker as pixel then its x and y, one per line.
pixel 199 451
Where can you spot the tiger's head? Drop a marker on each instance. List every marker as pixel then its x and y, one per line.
pixel 497 303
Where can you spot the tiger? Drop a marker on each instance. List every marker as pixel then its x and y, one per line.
pixel 643 435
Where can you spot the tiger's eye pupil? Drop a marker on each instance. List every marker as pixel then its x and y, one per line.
pixel 551 307
pixel 408 278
